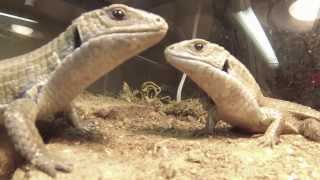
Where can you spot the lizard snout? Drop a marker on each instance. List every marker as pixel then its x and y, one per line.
pixel 161 23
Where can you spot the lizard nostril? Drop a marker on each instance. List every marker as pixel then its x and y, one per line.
pixel 158 20
pixel 171 48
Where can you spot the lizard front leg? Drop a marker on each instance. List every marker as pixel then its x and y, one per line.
pixel 272 135
pixel 19 120
pixel 74 116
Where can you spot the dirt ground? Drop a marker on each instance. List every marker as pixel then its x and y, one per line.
pixel 150 143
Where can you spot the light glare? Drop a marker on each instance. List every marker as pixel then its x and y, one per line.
pixel 17 17
pixel 23 30
pixel 305 10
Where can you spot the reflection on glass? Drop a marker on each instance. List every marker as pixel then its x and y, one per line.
pixel 305 10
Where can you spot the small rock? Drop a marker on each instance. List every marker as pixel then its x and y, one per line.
pixel 290 151
pixel 105 113
pixel 293 177
pixel 191 118
pixel 160 150
pixel 195 156
pixel 167 170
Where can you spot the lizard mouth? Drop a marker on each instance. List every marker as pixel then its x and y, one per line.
pixel 224 68
pixel 77 40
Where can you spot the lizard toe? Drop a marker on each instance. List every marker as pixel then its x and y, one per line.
pixel 267 141
pixel 51 165
pixel 87 127
pixel 46 167
pixel 256 135
pixel 63 166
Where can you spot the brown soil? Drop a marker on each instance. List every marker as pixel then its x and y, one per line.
pixel 161 146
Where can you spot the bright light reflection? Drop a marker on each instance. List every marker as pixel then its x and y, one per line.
pixel 305 10
pixel 17 17
pixel 23 30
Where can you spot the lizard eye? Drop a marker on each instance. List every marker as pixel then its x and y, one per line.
pixel 199 46
pixel 118 14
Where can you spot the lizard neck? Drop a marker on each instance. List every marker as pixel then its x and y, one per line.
pixel 88 63
pixel 235 104
pixel 62 46
pixel 240 72
pixel 217 84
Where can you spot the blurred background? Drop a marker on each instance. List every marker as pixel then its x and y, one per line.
pixel 283 55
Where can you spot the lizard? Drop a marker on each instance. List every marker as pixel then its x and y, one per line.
pixel 238 97
pixel 45 81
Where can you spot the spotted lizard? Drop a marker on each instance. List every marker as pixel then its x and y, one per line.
pixel 46 80
pixel 237 95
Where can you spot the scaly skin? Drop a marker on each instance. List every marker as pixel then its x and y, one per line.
pixel 238 97
pixel 45 81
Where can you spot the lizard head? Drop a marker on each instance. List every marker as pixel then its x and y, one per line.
pixel 100 40
pixel 189 54
pixel 199 55
pixel 136 29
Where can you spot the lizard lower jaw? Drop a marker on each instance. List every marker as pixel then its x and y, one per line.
pixel 176 57
pixel 190 65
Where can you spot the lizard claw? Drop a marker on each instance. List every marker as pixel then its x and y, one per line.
pixel 257 135
pixel 51 165
pixel 268 141
pixel 88 126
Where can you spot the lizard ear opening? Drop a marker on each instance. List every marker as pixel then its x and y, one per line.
pixel 226 66
pixel 76 38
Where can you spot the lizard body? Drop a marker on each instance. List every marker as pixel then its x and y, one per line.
pixel 46 80
pixel 237 95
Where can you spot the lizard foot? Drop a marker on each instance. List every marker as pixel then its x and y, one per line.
pixel 51 165
pixel 271 136
pixel 87 127
pixel 268 141
pixel 19 120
